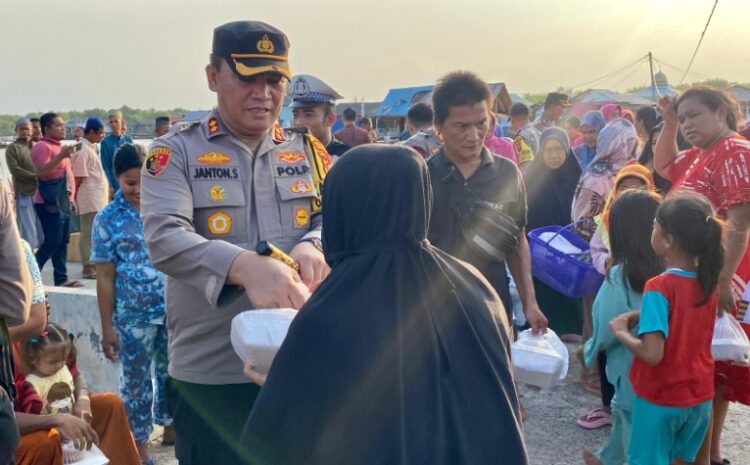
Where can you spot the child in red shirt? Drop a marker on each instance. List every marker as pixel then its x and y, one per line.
pixel 672 374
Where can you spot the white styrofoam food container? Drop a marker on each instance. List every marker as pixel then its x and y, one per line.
pixel 256 335
pixel 730 350
pixel 540 360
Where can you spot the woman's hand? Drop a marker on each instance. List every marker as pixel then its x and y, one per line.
pixel 75 430
pixel 668 110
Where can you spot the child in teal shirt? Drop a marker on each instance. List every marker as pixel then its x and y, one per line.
pixel 633 263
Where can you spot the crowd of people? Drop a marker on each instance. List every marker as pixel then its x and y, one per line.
pixel 413 273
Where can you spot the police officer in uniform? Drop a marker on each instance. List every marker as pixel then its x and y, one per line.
pixel 210 193
pixel 314 107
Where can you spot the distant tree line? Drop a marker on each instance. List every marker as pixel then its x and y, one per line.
pixel 131 115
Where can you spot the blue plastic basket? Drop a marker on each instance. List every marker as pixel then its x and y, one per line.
pixel 567 274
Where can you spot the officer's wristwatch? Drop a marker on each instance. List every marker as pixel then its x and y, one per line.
pixel 315 242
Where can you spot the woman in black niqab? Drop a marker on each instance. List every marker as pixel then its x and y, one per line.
pixel 402 355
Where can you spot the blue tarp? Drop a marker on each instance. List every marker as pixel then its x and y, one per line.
pixel 398 101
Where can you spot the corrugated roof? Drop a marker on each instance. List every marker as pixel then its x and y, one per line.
pixel 663 91
pixel 398 101
pixel 515 98
pixel 607 96
pixel 742 94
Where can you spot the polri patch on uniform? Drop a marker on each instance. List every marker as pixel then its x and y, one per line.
pixel 213 126
pixel 217 194
pixel 214 158
pixel 219 224
pixel 301 217
pixel 301 187
pixel 157 161
pixel 290 158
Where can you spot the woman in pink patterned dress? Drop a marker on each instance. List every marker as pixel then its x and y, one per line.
pixel 717 167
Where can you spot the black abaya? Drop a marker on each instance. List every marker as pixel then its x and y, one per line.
pixel 401 356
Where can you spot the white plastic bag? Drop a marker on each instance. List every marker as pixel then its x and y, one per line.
pixel 73 456
pixel 540 360
pixel 256 335
pixel 559 243
pixel 730 343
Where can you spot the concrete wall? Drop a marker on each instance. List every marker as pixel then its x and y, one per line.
pixel 78 312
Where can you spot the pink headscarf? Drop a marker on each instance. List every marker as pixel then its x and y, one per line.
pixel 608 111
pixel 628 115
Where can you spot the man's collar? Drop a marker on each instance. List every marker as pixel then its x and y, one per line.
pixel 49 141
pixel 486 156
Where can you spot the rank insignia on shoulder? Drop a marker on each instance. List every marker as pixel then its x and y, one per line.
pixel 217 194
pixel 214 158
pixel 301 187
pixel 321 154
pixel 219 224
pixel 213 126
pixel 301 217
pixel 157 161
pixel 278 133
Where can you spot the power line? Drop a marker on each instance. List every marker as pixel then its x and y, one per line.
pixel 612 74
pixel 703 34
pixel 681 70
pixel 614 86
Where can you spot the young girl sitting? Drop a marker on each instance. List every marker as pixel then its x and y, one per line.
pixel 673 370
pixel 44 360
pixel 634 262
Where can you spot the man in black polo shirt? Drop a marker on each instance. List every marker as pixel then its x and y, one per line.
pixel 473 189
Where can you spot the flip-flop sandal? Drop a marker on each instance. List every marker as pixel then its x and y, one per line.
pixel 723 462
pixel 594 420
pixel 72 284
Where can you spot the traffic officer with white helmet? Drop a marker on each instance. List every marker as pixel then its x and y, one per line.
pixel 210 193
pixel 314 107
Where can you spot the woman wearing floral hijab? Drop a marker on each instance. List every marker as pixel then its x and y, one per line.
pixel 615 148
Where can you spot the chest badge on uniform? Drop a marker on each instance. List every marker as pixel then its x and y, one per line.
pixel 301 187
pixel 290 158
pixel 219 224
pixel 301 217
pixel 217 194
pixel 213 126
pixel 214 158
pixel 157 161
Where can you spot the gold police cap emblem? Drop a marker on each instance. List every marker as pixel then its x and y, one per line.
pixel 265 45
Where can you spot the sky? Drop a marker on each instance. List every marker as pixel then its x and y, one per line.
pixel 77 54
